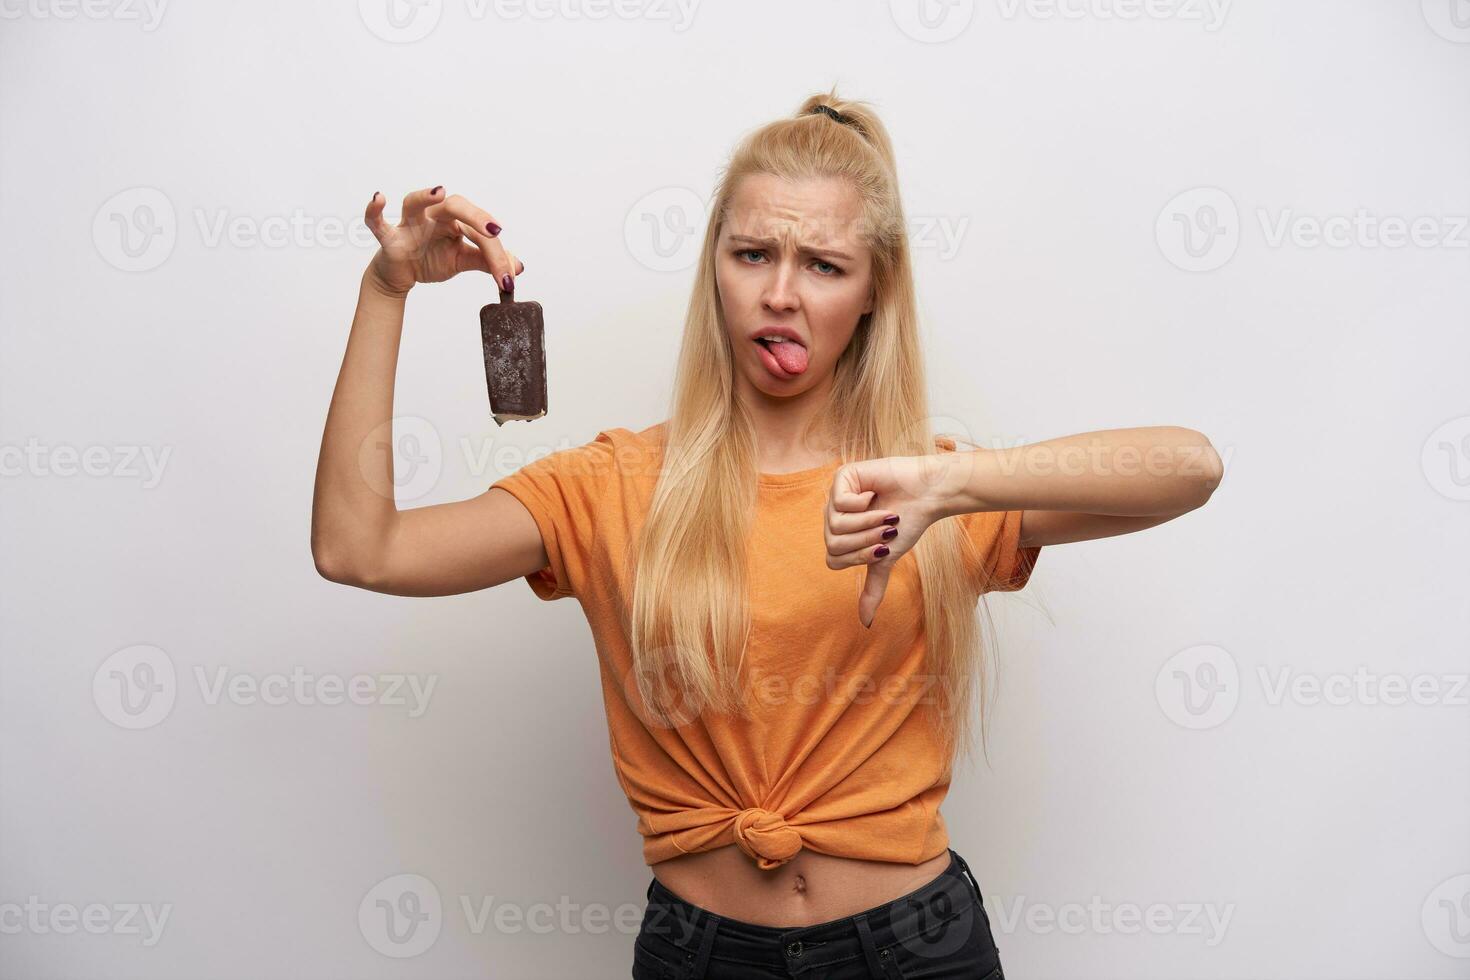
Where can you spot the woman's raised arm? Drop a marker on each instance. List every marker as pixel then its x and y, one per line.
pixel 359 536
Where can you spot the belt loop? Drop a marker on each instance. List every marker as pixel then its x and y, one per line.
pixel 706 943
pixel 870 948
pixel 965 868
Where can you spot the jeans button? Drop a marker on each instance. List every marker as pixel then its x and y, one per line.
pixel 793 949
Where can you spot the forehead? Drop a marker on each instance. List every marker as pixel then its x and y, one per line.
pixel 824 211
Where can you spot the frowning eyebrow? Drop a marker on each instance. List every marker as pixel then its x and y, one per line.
pixel 808 249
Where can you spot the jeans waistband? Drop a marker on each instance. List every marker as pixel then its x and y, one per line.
pixel 924 919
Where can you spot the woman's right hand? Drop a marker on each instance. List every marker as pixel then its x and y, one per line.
pixel 429 243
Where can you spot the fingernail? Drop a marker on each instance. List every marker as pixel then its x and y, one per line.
pixel 890 534
pixel 507 283
pixel 492 229
pixel 880 551
pixel 375 196
pixel 437 189
pixel 891 519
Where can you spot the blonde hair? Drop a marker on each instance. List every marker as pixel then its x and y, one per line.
pixel 690 614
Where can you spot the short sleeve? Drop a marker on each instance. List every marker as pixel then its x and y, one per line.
pixel 996 535
pixel 567 493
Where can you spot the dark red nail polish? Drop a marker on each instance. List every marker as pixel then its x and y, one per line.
pixel 507 283
pixel 492 229
pixel 436 190
pixel 881 551
pixel 890 534
pixel 891 519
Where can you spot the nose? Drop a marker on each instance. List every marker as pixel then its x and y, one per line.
pixel 780 288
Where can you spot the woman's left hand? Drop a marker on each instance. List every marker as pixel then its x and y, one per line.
pixel 876 497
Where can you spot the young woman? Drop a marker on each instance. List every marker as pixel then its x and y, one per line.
pixel 782 578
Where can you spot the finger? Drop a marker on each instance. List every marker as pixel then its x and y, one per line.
pixel 460 207
pixel 847 494
pixel 866 555
pixel 842 545
pixel 373 216
pixel 417 202
pixel 874 586
pixel 843 522
pixel 470 221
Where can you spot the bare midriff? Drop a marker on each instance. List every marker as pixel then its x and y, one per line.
pixel 809 889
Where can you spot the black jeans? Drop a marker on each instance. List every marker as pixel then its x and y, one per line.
pixel 938 932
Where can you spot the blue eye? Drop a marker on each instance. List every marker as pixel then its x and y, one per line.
pixel 741 253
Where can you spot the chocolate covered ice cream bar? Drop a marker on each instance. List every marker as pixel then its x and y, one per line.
pixel 514 339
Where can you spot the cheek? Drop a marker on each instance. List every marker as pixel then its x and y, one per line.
pixel 835 321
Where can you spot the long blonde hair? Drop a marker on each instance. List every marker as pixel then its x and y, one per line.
pixel 690 613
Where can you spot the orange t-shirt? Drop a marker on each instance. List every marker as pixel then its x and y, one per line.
pixel 853 772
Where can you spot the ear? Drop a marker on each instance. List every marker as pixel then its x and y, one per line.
pixel 869 307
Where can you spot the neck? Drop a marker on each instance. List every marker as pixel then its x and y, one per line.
pixel 782 426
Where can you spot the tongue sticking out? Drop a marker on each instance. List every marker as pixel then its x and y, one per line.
pixel 791 356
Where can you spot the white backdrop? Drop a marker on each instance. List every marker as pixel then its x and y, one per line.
pixel 1232 746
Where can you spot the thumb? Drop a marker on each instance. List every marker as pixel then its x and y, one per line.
pixel 874 586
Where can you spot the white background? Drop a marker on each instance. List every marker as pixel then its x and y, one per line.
pixel 1051 145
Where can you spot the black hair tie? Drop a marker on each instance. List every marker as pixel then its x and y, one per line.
pixel 833 113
